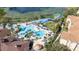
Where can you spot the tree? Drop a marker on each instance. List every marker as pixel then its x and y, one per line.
pixel 6 20
pixel 2 12
pixel 56 46
pixel 29 34
pixel 36 17
pixel 71 11
pixel 42 16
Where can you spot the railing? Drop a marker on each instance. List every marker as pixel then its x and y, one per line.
pixel 58 37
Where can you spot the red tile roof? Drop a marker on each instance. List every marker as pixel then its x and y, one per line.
pixel 73 32
pixel 15 46
pixel 4 32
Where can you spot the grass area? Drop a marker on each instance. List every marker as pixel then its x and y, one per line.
pixel 51 25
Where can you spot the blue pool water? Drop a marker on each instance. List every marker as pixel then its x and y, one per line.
pixel 25 29
pixel 40 34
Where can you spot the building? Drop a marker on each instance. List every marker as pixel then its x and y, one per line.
pixel 4 33
pixel 15 46
pixel 12 43
pixel 71 37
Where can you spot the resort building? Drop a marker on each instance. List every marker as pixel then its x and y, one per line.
pixel 70 38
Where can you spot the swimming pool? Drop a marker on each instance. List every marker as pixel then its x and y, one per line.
pixel 40 34
pixel 24 30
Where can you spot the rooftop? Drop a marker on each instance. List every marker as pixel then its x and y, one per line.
pixel 73 32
